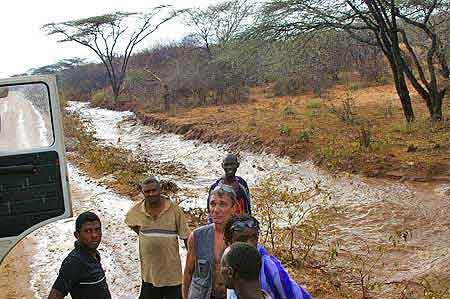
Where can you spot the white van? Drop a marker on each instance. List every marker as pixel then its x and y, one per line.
pixel 34 188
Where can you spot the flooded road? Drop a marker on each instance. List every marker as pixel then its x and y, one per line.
pixel 371 209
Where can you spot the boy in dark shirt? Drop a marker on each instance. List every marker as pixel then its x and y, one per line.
pixel 81 272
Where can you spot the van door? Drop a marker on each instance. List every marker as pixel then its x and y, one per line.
pixel 34 186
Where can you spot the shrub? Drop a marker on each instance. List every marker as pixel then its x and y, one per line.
pixel 304 135
pixel 288 112
pixel 365 137
pixel 347 113
pixel 290 86
pixel 98 98
pixel 173 110
pixel 293 219
pixel 237 94
pixel 314 104
pixel 284 129
pixel 388 109
pixel 355 85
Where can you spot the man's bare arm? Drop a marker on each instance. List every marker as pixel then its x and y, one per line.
pixel 189 267
pixel 55 294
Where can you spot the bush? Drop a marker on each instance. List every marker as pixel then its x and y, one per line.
pixel 388 109
pixel 288 112
pixel 314 104
pixel 347 113
pixel 365 137
pixel 290 86
pixel 98 98
pixel 293 219
pixel 173 110
pixel 304 135
pixel 237 94
pixel 284 129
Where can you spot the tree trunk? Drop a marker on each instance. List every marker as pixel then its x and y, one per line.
pixel 115 94
pixel 165 97
pixel 436 112
pixel 116 84
pixel 403 92
pixel 219 96
pixel 405 99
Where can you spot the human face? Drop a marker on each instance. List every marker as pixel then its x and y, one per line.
pixel 248 235
pixel 226 271
pixel 230 166
pixel 90 234
pixel 151 192
pixel 221 208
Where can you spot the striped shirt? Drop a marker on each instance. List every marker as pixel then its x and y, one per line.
pixel 274 280
pixel 158 242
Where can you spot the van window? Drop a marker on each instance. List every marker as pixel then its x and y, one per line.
pixel 25 117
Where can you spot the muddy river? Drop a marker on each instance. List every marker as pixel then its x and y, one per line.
pixel 372 209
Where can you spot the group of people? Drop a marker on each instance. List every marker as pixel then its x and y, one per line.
pixel 224 259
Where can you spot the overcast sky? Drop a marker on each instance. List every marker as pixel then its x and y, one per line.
pixel 23 45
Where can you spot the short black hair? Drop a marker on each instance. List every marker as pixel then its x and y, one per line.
pixel 245 260
pixel 232 157
pixel 83 218
pixel 228 232
pixel 150 180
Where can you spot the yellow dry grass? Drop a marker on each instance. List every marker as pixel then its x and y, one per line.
pixel 309 127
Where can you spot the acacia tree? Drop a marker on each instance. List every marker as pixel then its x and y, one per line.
pixel 61 65
pixel 407 31
pixel 218 24
pixel 111 37
pixel 216 27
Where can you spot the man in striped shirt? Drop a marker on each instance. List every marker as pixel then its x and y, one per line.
pixel 159 222
pixel 273 278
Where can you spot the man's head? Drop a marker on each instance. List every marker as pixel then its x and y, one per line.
pixel 242 228
pixel 222 203
pixel 241 263
pixel 88 230
pixel 230 164
pixel 151 189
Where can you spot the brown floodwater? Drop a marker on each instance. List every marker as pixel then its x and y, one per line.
pixel 371 211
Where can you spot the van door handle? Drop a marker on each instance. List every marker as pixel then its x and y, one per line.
pixel 17 169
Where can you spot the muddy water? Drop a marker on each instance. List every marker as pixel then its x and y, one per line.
pixel 372 209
